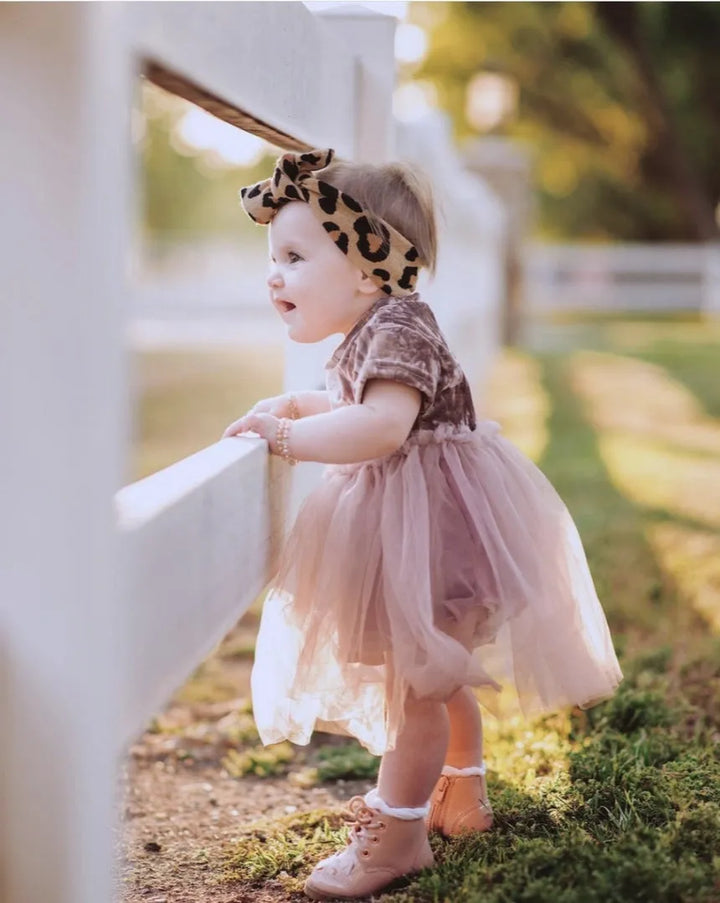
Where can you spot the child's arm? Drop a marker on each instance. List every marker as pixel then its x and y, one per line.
pixel 353 433
pixel 308 403
pixel 312 402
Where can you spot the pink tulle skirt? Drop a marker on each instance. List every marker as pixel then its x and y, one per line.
pixel 452 561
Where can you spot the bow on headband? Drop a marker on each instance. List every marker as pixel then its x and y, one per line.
pixel 388 258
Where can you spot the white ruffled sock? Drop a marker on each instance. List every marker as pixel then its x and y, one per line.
pixel 464 772
pixel 375 801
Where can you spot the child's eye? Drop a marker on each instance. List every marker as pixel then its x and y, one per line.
pixel 293 257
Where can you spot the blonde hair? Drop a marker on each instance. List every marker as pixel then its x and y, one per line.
pixel 395 192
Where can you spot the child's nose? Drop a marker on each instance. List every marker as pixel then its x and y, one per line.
pixel 274 279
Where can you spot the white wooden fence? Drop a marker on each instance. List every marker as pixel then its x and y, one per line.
pixel 110 596
pixel 623 277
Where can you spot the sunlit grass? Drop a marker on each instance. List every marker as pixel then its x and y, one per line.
pixel 662 451
pixel 643 400
pixel 631 585
pixel 692 558
pixel 664 480
pixel 697 366
pixel 527 754
pixel 283 847
pixel 645 335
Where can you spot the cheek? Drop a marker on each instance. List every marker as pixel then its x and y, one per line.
pixel 341 280
pixel 338 266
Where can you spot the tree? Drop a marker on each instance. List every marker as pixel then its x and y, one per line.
pixel 617 103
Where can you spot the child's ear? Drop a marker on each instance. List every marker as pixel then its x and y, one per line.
pixel 366 285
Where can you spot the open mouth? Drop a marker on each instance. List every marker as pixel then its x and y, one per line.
pixel 284 306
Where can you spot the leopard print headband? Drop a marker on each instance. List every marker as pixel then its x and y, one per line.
pixel 395 260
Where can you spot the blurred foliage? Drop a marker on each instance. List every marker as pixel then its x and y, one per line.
pixel 618 105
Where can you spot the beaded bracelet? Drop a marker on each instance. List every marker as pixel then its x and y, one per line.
pixel 294 409
pixel 281 440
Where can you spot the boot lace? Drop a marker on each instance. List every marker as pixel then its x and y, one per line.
pixel 364 823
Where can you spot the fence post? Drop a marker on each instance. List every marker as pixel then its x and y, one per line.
pixel 371 37
pixel 711 281
pixel 65 87
pixel 468 289
pixel 506 168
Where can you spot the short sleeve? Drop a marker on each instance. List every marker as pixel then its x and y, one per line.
pixel 401 354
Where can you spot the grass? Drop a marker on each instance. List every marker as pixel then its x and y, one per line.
pixel 620 803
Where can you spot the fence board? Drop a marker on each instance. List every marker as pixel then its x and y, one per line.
pixel 200 542
pixel 274 62
pixel 632 277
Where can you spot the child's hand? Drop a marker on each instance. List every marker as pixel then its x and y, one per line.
pixel 265 425
pixel 278 406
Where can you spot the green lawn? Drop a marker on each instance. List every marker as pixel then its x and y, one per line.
pixel 621 803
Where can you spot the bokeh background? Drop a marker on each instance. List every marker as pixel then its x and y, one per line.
pixel 604 116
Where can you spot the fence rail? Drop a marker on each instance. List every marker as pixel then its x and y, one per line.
pixel 200 539
pixel 641 277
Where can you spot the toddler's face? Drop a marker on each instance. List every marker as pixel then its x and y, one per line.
pixel 314 286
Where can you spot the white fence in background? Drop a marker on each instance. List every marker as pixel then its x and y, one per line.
pixel 632 277
pixel 110 596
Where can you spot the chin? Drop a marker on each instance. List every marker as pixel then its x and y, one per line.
pixel 306 336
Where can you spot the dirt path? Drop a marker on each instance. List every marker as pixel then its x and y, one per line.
pixel 181 809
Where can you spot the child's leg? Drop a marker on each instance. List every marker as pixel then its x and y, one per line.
pixel 409 772
pixel 390 838
pixel 459 801
pixel 465 746
pixel 450 733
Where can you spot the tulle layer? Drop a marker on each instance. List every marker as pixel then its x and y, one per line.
pixel 452 561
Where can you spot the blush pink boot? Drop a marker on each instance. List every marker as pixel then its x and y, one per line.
pixel 384 844
pixel 459 802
